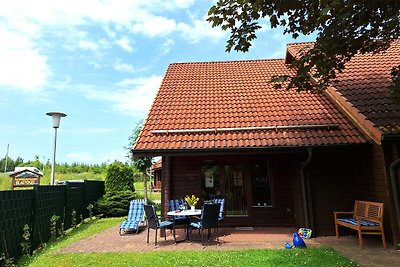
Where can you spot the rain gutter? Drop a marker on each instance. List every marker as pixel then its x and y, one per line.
pixel 393 168
pixel 304 165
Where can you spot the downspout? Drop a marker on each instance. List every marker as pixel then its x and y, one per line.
pixel 303 186
pixel 393 180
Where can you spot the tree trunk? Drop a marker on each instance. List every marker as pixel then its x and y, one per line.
pixel 145 187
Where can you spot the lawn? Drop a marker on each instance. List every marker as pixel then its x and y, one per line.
pixel 139 186
pixel 256 257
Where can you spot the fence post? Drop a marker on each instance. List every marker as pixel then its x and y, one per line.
pixel 33 217
pixel 85 198
pixel 65 206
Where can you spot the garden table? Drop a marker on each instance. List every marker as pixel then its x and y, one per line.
pixel 188 213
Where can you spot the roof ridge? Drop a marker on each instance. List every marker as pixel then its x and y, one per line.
pixel 226 61
pixel 298 43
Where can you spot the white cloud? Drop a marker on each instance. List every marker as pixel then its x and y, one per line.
pixel 89 45
pixel 123 67
pixel 21 65
pixel 200 30
pixel 155 26
pixel 166 46
pixel 136 95
pixel 125 44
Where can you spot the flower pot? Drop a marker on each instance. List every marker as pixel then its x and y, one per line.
pixel 192 208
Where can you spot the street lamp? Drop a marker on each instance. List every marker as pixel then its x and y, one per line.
pixel 56 123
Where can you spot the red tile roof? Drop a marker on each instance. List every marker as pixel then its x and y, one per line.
pixel 365 85
pixel 231 105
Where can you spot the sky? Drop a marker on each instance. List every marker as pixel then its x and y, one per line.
pixel 100 62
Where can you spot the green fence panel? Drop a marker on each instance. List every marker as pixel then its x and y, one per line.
pixel 36 207
pixel 16 209
pixel 94 191
pixel 49 201
pixel 75 201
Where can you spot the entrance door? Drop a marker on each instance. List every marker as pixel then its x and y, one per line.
pixel 235 192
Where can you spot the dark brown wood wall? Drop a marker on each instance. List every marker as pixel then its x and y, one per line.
pixel 336 178
pixel 282 170
pixel 186 179
pixel 391 153
pixel 165 184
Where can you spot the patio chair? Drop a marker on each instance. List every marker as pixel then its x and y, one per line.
pixel 208 220
pixel 175 204
pixel 221 211
pixel 135 217
pixel 154 223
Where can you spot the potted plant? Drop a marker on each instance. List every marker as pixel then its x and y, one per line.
pixel 191 201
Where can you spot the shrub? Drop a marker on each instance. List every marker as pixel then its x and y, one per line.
pixel 114 204
pixel 26 240
pixel 53 226
pixel 119 177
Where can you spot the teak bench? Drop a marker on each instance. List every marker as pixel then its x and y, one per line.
pixel 366 220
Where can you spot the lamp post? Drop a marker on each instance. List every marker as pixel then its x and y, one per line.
pixel 56 123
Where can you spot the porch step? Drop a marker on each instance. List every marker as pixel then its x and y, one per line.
pixel 245 228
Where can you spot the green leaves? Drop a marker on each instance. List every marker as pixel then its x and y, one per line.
pixel 395 87
pixel 119 177
pixel 343 28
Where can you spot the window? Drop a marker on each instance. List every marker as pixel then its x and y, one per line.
pixel 211 181
pixel 261 183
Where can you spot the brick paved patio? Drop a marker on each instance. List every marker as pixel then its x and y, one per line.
pixel 260 238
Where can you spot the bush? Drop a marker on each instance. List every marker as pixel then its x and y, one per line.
pixel 119 177
pixel 114 204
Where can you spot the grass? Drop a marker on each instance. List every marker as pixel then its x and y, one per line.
pixel 257 257
pixel 5 181
pixel 85 230
pixel 139 186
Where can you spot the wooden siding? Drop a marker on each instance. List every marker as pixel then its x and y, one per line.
pixel 336 178
pixel 186 179
pixel 390 153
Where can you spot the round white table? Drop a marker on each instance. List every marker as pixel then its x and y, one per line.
pixel 188 213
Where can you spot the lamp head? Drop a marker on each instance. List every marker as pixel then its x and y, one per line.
pixel 56 118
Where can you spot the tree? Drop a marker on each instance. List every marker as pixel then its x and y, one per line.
pixel 142 164
pixel 119 177
pixel 344 28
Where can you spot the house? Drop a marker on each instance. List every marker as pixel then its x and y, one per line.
pixel 156 173
pixel 279 158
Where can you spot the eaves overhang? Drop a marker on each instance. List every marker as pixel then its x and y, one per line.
pixel 238 151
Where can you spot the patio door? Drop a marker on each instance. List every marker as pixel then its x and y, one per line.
pixel 235 190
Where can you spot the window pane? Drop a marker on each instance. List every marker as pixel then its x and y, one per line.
pixel 210 181
pixel 236 203
pixel 261 183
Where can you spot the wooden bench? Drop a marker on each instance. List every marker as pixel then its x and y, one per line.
pixel 366 219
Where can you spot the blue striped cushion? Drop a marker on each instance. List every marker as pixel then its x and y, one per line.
pixel 135 215
pixel 196 225
pixel 165 224
pixel 173 205
pixel 221 211
pixel 362 222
